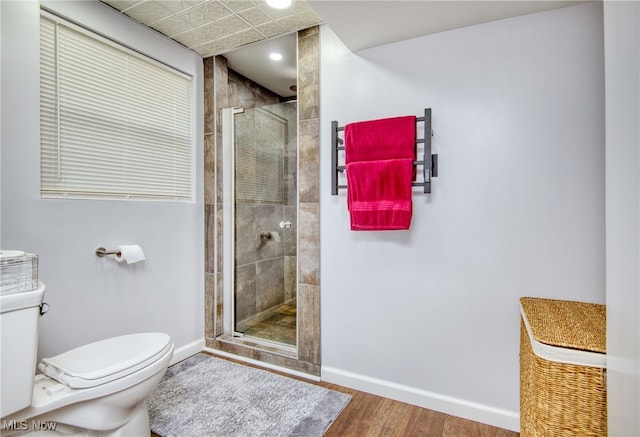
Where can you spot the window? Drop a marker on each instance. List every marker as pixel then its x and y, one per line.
pixel 113 123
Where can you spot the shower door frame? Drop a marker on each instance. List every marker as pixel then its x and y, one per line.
pixel 228 218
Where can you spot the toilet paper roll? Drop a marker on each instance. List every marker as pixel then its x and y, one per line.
pixel 131 253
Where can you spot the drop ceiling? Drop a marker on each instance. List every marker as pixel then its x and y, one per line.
pixel 212 27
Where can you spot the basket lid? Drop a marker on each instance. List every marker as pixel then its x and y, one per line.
pixel 569 324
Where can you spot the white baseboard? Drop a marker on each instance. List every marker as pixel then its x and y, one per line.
pixel 423 398
pixel 184 352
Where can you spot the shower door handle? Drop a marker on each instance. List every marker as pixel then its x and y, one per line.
pixel 284 224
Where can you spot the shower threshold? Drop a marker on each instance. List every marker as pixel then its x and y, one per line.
pixel 257 344
pixel 270 343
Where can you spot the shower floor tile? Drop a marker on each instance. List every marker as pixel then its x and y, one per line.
pixel 279 327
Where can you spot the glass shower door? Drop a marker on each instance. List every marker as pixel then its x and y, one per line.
pixel 264 283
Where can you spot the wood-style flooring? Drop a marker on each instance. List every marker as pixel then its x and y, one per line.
pixel 367 415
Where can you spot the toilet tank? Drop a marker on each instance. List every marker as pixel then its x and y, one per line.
pixel 19 316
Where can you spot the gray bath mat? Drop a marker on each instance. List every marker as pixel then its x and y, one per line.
pixel 207 396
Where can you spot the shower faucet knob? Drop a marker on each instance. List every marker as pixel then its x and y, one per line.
pixel 284 224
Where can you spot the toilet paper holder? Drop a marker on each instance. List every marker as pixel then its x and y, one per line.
pixel 101 251
pixel 131 253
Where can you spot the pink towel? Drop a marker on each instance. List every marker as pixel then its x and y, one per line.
pixel 379 194
pixel 387 138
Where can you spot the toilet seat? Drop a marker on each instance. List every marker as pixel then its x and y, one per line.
pixel 106 360
pixel 104 407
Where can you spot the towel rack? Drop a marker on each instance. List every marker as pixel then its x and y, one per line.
pixel 429 162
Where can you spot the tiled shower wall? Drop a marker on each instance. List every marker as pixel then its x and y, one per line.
pixel 223 90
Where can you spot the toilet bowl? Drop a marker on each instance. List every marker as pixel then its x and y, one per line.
pixel 96 389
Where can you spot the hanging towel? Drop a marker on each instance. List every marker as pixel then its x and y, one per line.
pixel 379 194
pixel 387 138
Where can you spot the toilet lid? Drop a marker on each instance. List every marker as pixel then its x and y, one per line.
pixel 106 360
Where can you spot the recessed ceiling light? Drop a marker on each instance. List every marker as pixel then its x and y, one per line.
pixel 279 4
pixel 275 56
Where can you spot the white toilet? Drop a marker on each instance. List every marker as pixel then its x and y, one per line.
pixel 95 390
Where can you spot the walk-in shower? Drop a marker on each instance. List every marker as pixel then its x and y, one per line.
pixel 260 223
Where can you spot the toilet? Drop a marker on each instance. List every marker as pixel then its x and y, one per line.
pixel 94 390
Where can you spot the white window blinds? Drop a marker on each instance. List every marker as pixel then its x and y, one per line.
pixel 113 123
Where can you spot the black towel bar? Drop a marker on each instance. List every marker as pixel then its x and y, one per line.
pixel 429 163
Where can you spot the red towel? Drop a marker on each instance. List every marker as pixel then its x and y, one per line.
pixel 387 138
pixel 379 194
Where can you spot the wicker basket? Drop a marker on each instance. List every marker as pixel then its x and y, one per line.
pixel 562 368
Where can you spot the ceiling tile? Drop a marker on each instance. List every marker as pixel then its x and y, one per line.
pixel 299 7
pixel 245 37
pixel 211 32
pixel 228 43
pixel 212 27
pixel 310 17
pixel 191 19
pixel 231 25
pixel 255 16
pixel 151 12
pixel 211 48
pixel 239 5
pixel 277 13
pixel 271 29
pixel 292 22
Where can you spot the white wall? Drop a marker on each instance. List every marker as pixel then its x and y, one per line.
pixel 622 63
pixel 431 315
pixel 93 298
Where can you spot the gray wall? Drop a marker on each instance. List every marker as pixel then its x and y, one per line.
pixel 622 63
pixel 431 315
pixel 93 298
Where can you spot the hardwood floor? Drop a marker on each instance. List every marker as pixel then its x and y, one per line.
pixel 367 415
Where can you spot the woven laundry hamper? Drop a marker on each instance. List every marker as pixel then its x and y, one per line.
pixel 562 368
